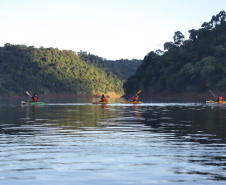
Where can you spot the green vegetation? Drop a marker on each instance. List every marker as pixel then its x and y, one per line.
pixel 193 65
pixel 50 70
pixel 123 68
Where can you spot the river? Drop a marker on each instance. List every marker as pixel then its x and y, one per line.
pixel 72 141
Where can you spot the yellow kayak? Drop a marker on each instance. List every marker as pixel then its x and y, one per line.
pixel 220 102
pixel 97 102
pixel 131 102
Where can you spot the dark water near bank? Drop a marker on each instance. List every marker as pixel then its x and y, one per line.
pixel 75 142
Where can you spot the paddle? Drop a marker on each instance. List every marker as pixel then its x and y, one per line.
pixel 139 92
pixel 213 94
pixel 136 93
pixel 28 93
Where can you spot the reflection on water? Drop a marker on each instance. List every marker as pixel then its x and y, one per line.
pixel 80 143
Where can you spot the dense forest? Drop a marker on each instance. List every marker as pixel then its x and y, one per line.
pixel 50 70
pixel 193 65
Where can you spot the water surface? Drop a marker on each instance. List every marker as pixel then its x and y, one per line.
pixel 71 141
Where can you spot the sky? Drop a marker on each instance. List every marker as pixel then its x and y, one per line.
pixel 112 29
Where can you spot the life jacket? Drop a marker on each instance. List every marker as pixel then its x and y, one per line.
pixel 35 99
pixel 104 99
pixel 135 98
pixel 220 98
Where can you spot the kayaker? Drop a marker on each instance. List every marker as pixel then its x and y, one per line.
pixel 103 99
pixel 34 98
pixel 135 98
pixel 219 98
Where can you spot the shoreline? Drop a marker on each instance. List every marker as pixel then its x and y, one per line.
pixel 172 95
pixel 15 96
pixel 143 95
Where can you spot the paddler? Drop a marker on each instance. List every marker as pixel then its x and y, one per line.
pixel 135 98
pixel 219 98
pixel 34 98
pixel 103 99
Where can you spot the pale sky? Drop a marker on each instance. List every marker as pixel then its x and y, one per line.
pixel 112 29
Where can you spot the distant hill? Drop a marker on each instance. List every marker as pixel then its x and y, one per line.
pixel 122 68
pixel 194 65
pixel 50 70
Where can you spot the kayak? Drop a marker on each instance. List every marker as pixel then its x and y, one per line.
pixel 31 103
pixel 97 102
pixel 220 102
pixel 131 102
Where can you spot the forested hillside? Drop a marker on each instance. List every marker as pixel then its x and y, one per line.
pixel 50 70
pixel 194 65
pixel 122 68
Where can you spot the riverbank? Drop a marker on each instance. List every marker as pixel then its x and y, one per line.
pixel 50 95
pixel 143 95
pixel 173 95
pixel 187 95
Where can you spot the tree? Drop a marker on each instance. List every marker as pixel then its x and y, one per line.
pixel 168 45
pixel 193 35
pixel 218 19
pixel 159 52
pixel 55 71
pixel 207 26
pixel 178 38
pixel 188 66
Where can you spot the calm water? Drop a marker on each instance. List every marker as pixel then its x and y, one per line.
pixel 75 142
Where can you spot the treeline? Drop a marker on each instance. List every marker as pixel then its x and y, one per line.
pixel 50 70
pixel 122 68
pixel 193 65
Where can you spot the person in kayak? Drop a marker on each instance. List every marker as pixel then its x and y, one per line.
pixel 103 99
pixel 135 98
pixel 34 98
pixel 219 98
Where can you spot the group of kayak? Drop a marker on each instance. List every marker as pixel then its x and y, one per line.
pixel 103 100
pixel 133 100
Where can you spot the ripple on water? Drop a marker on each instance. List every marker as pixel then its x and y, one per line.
pixel 113 146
